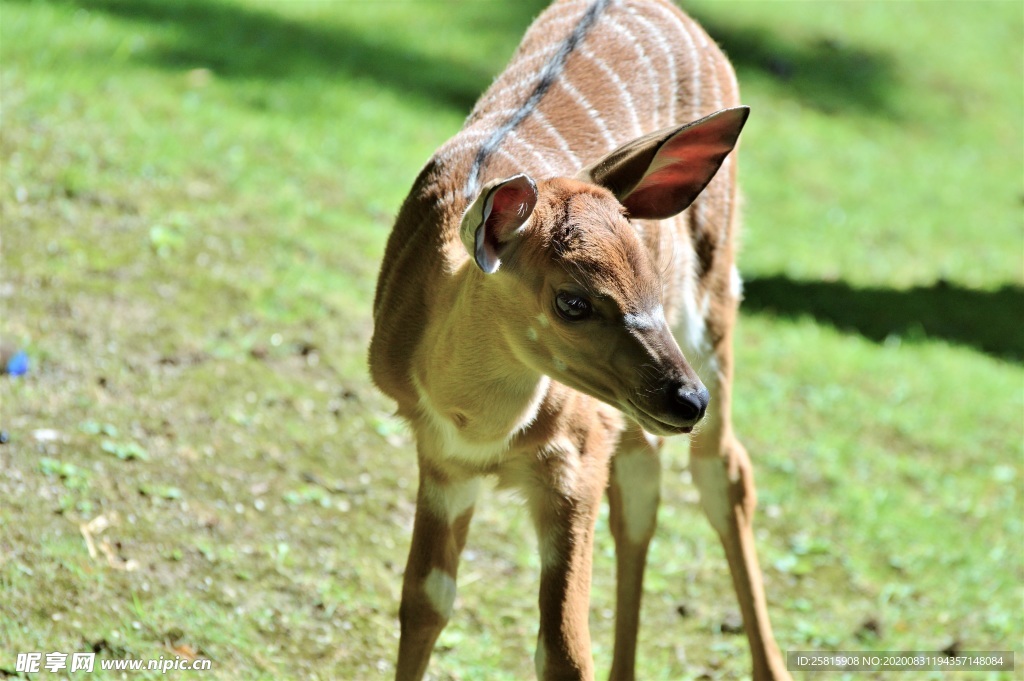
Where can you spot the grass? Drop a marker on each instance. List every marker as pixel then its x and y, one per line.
pixel 194 199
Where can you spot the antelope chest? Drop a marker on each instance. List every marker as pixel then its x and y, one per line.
pixel 477 428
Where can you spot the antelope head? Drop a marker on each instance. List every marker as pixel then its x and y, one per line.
pixel 576 293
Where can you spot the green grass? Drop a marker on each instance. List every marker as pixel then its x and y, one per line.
pixel 194 199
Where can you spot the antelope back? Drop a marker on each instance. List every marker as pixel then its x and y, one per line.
pixel 587 77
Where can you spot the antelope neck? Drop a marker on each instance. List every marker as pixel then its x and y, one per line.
pixel 467 374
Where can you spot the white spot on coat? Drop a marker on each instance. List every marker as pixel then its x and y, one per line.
pixel 453 499
pixel 647 320
pixel 692 323
pixel 540 659
pixel 735 282
pixel 638 476
pixel 713 482
pixel 440 590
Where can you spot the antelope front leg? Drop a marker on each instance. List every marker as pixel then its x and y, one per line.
pixel 722 472
pixel 633 498
pixel 565 521
pixel 444 509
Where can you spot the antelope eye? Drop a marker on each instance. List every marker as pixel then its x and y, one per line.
pixel 571 307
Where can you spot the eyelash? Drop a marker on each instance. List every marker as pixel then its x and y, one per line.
pixel 572 307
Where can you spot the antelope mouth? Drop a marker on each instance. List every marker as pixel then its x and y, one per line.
pixel 655 425
pixel 661 425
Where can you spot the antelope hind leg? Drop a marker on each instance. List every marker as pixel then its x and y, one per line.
pixel 723 474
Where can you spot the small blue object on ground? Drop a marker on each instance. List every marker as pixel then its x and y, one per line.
pixel 17 365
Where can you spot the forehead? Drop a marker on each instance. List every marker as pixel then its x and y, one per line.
pixel 598 248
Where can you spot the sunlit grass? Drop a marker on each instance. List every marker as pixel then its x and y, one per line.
pixel 195 197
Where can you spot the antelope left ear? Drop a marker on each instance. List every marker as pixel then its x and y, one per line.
pixel 658 175
pixel 495 218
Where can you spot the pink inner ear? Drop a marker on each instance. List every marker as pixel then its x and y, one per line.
pixel 511 205
pixel 507 207
pixel 712 139
pixel 504 199
pixel 692 157
pixel 683 166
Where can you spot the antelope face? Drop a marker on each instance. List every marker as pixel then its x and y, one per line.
pixel 588 309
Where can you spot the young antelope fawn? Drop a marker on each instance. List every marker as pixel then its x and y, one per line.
pixel 525 311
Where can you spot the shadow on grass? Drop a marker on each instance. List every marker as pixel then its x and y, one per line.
pixel 990 321
pixel 826 74
pixel 249 43
pixel 243 42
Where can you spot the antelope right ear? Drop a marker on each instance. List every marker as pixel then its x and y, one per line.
pixel 495 218
pixel 658 175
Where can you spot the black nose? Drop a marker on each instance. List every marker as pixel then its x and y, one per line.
pixel 692 404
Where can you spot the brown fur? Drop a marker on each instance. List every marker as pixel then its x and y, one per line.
pixel 494 382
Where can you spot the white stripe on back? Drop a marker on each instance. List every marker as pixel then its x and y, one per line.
pixel 598 121
pixel 643 59
pixel 542 120
pixel 623 90
pixel 694 56
pixel 655 33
